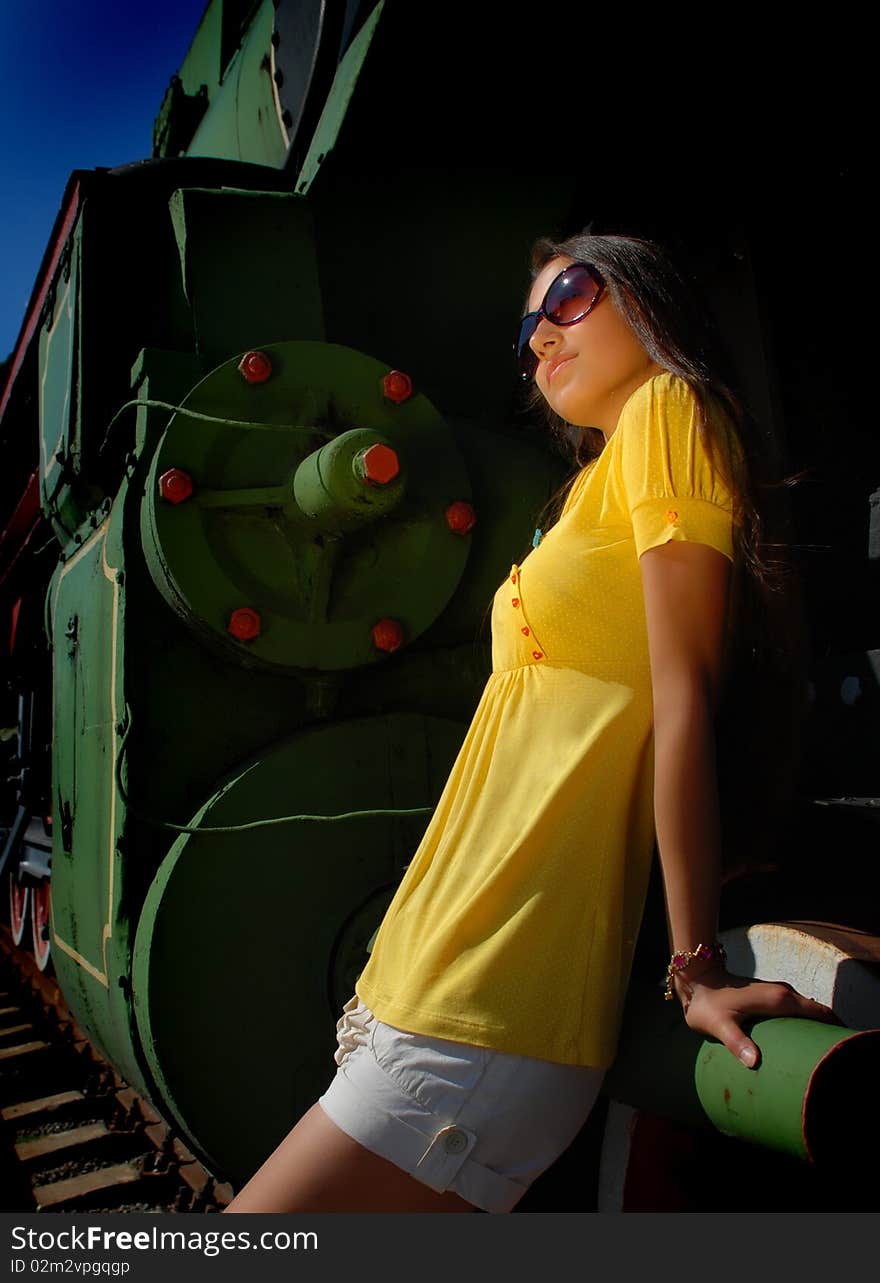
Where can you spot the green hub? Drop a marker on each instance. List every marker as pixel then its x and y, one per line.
pixel 318 517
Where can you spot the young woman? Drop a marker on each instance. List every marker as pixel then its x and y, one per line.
pixel 483 1023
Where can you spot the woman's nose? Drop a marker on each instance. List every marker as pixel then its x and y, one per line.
pixel 545 337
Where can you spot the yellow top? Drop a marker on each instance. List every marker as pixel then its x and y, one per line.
pixel 515 924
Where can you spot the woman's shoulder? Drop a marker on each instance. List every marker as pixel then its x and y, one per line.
pixel 666 389
pixel 667 406
pixel 670 441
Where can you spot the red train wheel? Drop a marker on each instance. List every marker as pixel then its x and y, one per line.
pixel 18 908
pixel 40 923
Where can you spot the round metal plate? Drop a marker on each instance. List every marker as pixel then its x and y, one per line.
pixel 248 941
pixel 241 541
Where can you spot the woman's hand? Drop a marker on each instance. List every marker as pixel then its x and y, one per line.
pixel 715 1002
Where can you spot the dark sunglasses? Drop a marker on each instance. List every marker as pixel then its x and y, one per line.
pixel 570 297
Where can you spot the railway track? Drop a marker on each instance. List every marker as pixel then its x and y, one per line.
pixel 73 1135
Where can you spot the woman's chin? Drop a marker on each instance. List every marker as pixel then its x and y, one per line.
pixel 570 409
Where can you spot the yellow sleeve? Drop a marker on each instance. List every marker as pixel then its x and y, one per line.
pixel 670 487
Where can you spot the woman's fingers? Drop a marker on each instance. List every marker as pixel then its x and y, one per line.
pixel 738 1043
pixel 778 998
pixel 716 1014
pixel 717 1009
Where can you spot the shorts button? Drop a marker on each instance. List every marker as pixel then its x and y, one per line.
pixel 455 1141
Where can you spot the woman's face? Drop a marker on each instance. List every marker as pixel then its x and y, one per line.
pixel 587 371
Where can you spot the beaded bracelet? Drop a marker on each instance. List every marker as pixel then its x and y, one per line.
pixel 683 959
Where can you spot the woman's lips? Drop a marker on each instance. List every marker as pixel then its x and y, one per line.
pixel 557 365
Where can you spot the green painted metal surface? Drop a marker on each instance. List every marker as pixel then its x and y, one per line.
pixel 176 300
pixel 90 922
pixel 333 487
pixel 243 121
pixel 276 93
pixel 794 1095
pixel 243 540
pixel 203 63
pixel 248 268
pixel 63 495
pixel 770 1105
pixel 338 99
pixel 249 942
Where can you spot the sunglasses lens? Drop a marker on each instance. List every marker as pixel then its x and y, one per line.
pixel 569 298
pixel 526 360
pixel 571 295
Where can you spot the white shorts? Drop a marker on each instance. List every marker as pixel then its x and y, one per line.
pixel 455 1116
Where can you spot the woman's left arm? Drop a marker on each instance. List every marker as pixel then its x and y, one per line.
pixel 686 587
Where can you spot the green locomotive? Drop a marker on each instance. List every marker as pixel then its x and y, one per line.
pixel 280 472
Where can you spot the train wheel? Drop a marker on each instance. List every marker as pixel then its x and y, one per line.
pixel 216 952
pixel 40 923
pixel 18 908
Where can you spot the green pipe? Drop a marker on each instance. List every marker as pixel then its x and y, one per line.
pixel 808 1096
pixel 329 485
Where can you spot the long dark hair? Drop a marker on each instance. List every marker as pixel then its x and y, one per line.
pixel 764 703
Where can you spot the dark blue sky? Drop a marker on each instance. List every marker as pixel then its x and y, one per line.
pixel 80 84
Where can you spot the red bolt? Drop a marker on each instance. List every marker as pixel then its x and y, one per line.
pixel 397 386
pixel 245 624
pixel 380 465
pixel 175 485
pixel 255 366
pixel 460 517
pixel 387 634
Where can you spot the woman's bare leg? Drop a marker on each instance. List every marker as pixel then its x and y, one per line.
pixel 319 1168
